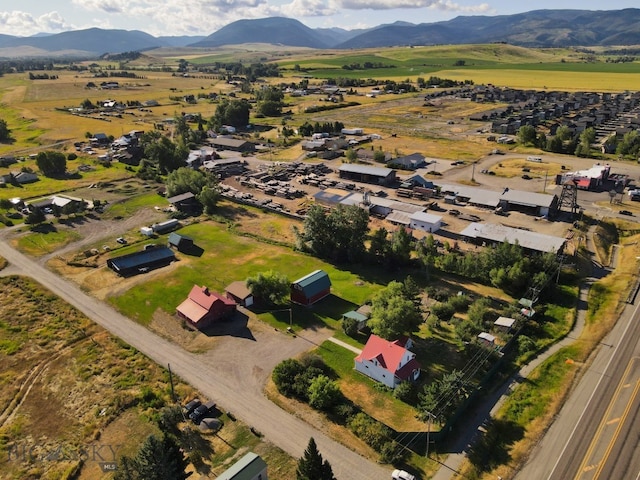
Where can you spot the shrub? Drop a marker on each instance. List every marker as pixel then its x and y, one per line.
pixel 406 392
pixel 350 326
pixel 372 432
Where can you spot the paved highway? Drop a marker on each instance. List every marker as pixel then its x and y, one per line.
pixel 203 373
pixel 596 434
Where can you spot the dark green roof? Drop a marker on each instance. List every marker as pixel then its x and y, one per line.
pixel 247 468
pixel 313 283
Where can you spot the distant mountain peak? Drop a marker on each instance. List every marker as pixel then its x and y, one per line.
pixel 537 28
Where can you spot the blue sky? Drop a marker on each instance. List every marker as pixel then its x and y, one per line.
pixel 203 17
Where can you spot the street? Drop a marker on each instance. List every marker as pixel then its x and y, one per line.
pixel 595 435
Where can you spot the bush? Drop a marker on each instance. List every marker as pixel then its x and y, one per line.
pixel 345 411
pixel 372 432
pixel 391 453
pixel 406 392
pixel 443 310
pixel 350 326
pixel 72 156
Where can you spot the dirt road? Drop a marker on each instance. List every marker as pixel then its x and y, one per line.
pixel 232 382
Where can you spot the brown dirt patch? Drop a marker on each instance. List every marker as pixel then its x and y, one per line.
pixel 171 328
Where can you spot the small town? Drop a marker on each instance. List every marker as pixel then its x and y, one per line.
pixel 269 270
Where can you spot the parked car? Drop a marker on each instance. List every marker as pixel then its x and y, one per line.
pixel 201 411
pixel 526 177
pixel 402 475
pixel 454 212
pixel 191 406
pixel 121 240
pixel 626 212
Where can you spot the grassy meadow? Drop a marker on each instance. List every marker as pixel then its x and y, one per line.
pixel 228 257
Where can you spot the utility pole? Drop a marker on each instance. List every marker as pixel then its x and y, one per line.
pixel 430 415
pixel 173 393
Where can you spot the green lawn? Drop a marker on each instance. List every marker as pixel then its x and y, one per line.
pixel 363 391
pixel 47 186
pixel 228 257
pixel 48 241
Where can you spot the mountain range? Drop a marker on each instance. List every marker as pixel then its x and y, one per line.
pixel 537 28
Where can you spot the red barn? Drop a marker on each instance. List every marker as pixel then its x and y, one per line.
pixel 203 307
pixel 311 288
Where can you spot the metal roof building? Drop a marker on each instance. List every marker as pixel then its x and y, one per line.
pixel 311 288
pixel 367 174
pixel 249 467
pixel 133 263
pixel 494 233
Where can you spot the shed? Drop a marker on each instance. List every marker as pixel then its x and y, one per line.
pixel 249 467
pixel 166 226
pixel 180 242
pixel 487 339
pixel 185 202
pixel 367 174
pixel 504 323
pixel 426 222
pixel 360 318
pixel 311 288
pixel 239 293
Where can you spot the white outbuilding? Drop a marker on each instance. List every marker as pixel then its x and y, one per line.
pixel 424 221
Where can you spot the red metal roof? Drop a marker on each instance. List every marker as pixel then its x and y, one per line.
pixel 389 355
pixel 200 302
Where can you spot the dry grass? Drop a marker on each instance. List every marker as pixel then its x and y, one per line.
pixel 54 356
pixel 515 167
pixel 68 385
pixel 318 421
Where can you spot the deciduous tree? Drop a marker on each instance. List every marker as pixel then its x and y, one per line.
pixel 392 313
pixel 270 286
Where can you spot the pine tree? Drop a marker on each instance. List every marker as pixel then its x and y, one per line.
pixel 311 466
pixel 157 459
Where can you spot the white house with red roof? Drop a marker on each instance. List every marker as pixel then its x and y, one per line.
pixel 388 362
pixel 203 307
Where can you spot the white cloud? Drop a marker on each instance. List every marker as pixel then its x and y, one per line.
pixel 309 8
pixel 444 5
pixel 177 17
pixel 203 17
pixel 23 24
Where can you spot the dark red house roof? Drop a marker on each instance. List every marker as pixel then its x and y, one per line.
pixel 203 306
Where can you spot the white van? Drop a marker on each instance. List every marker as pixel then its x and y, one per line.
pixel 531 158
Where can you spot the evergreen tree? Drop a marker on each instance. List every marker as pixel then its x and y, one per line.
pixel 157 459
pixel 5 133
pixel 311 465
